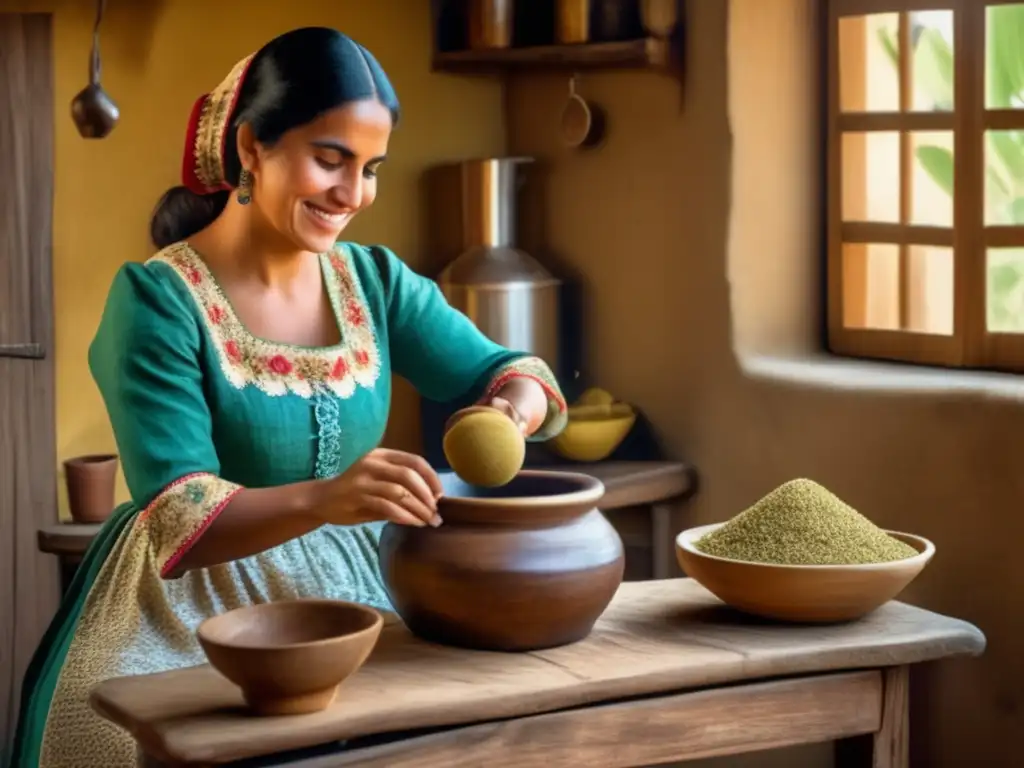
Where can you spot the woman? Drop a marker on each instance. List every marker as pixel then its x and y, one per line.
pixel 248 388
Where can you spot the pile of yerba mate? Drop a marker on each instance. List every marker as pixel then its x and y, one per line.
pixel 801 523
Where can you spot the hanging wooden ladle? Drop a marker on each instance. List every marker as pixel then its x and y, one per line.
pixel 94 112
pixel 583 124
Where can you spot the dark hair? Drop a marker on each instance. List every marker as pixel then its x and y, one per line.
pixel 291 81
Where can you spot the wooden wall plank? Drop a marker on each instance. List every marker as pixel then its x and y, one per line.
pixel 28 498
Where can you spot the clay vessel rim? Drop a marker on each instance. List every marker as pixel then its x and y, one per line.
pixel 687 539
pixel 92 458
pixel 204 629
pixel 590 490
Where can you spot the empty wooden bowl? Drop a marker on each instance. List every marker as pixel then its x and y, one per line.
pixel 801 593
pixel 290 657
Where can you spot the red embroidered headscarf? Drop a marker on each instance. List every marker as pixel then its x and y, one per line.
pixel 203 168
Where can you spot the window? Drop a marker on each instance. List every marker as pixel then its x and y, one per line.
pixel 925 141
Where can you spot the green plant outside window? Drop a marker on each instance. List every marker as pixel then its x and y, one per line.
pixel 1004 150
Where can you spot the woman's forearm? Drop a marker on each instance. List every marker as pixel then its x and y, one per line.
pixel 385 484
pixel 255 520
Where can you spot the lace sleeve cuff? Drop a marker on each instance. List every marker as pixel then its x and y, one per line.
pixel 536 369
pixel 180 514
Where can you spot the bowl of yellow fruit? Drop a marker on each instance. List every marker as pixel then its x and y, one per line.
pixel 596 426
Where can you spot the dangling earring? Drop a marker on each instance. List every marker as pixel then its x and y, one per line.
pixel 244 187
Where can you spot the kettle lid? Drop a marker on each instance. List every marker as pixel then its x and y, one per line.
pixel 482 266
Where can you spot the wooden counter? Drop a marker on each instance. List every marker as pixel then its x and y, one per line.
pixel 669 673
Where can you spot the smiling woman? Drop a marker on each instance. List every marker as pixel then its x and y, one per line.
pixel 289 103
pixel 246 368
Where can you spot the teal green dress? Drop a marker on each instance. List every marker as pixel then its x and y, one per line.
pixel 201 409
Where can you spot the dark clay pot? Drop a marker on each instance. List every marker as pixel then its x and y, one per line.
pixel 526 566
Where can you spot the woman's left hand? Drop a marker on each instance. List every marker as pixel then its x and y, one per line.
pixel 499 404
pixel 522 399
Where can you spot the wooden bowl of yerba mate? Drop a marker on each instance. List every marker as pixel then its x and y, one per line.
pixel 801 554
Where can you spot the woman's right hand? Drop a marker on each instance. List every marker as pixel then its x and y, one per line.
pixel 383 485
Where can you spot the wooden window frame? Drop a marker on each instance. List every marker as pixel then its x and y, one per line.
pixel 971 345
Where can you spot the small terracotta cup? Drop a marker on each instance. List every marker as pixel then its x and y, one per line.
pixel 90 484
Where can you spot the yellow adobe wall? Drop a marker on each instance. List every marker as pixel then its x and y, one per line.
pixel 158 56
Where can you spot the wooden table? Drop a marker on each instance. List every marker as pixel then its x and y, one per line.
pixel 652 484
pixel 668 674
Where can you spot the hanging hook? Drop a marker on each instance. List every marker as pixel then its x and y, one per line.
pixel 572 85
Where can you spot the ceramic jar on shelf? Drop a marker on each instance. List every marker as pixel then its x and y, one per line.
pixel 490 23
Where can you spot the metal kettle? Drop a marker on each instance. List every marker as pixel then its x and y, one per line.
pixel 509 295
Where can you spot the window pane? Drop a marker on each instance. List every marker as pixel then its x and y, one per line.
pixel 930 290
pixel 931 33
pixel 1004 70
pixel 869 63
pixel 931 187
pixel 871 177
pixel 1004 303
pixel 871 286
pixel 1004 178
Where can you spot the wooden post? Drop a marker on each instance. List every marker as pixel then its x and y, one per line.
pixel 889 746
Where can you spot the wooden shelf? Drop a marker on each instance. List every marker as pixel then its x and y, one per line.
pixel 647 52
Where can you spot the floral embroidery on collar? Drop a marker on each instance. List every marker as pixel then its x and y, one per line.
pixel 277 368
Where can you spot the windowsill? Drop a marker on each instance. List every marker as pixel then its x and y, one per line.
pixel 828 372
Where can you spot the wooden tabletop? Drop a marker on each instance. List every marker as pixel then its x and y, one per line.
pixel 656 637
pixel 627 484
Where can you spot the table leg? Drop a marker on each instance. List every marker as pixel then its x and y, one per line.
pixel 661 541
pixel 889 747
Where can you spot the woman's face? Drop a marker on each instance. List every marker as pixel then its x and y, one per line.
pixel 318 176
